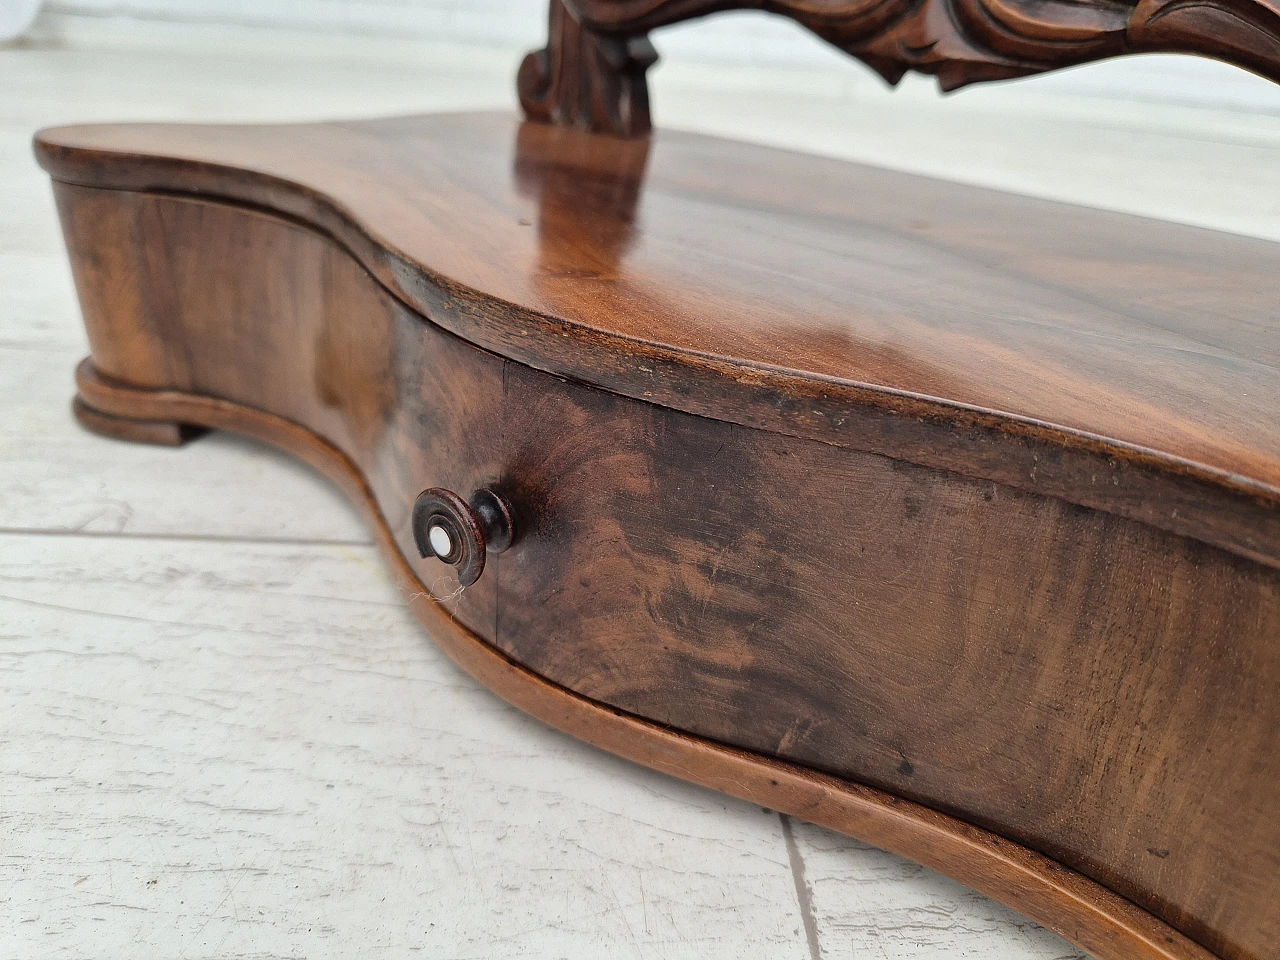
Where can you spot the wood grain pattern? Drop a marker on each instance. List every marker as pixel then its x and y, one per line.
pixel 1106 925
pixel 1062 697
pixel 265 672
pixel 1121 364
pixel 586 59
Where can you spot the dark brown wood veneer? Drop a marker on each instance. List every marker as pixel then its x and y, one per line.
pixel 945 518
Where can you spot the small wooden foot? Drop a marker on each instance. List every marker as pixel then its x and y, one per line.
pixel 164 433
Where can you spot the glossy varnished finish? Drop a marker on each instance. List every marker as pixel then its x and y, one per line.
pixel 1099 690
pixel 1119 363
pixel 1088 914
pixel 198 298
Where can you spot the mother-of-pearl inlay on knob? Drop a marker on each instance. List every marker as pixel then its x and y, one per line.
pixel 441 542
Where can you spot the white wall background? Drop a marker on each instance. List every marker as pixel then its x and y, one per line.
pixel 740 40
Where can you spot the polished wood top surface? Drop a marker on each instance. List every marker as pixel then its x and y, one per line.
pixel 767 268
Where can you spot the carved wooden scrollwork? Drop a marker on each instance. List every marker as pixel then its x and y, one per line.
pixel 592 71
pixel 588 78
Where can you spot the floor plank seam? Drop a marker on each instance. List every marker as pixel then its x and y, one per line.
pixel 804 895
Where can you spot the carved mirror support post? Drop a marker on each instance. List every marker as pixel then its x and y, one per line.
pixel 588 79
pixel 591 73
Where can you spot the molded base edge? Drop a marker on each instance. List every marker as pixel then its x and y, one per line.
pixel 1079 909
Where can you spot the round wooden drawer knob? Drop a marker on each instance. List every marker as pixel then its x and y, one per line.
pixel 460 533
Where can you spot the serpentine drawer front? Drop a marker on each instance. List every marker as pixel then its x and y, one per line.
pixel 1040 659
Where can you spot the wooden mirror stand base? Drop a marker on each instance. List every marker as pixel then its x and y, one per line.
pixel 945 519
pixel 1086 913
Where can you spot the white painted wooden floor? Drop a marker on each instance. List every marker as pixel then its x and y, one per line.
pixel 224 736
